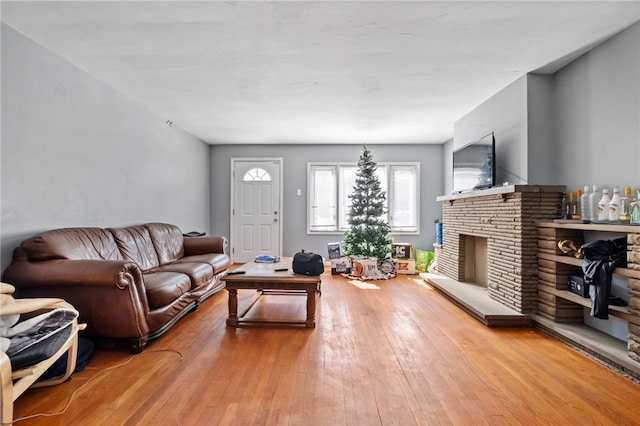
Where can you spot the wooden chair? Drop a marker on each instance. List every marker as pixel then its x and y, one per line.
pixel 15 383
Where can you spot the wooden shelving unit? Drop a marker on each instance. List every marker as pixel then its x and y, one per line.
pixel 617 311
pixel 562 312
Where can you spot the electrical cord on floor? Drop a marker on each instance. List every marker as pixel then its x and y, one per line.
pixel 89 381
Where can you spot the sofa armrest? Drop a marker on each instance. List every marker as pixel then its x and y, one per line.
pixel 203 245
pixel 65 272
pixel 93 287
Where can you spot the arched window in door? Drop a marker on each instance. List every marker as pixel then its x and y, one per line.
pixel 256 175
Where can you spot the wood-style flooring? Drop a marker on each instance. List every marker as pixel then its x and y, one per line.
pixel 391 352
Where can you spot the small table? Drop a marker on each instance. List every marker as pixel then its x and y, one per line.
pixel 264 278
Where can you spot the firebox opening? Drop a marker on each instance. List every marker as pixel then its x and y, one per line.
pixel 475 260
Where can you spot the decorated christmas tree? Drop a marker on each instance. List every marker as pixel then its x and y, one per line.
pixel 369 233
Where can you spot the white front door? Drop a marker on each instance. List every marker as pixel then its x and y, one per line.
pixel 256 217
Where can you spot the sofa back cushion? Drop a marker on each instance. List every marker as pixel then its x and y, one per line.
pixel 135 245
pixel 72 243
pixel 167 240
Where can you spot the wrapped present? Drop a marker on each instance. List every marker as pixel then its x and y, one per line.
pixel 401 251
pixel 423 259
pixel 388 267
pixel 357 268
pixel 369 267
pixel 341 266
pixel 334 250
pixel 405 266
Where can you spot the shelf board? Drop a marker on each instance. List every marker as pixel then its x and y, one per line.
pixel 606 227
pixel 627 273
pixel 570 260
pixel 616 311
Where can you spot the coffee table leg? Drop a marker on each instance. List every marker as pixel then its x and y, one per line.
pixel 311 309
pixel 233 307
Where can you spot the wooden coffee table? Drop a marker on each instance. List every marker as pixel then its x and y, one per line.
pixel 264 278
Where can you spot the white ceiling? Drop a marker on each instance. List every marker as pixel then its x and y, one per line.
pixel 241 71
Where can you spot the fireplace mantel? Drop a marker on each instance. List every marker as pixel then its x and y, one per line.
pixel 503 190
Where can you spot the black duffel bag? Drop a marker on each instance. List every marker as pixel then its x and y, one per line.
pixel 307 263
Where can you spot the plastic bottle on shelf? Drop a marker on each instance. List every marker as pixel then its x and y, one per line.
pixel 625 205
pixel 614 205
pixel 572 206
pixel 584 204
pixel 603 206
pixel 594 198
pixel 576 211
pixel 564 206
pixel 635 210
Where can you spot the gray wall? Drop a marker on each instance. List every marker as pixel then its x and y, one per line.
pixel 542 158
pixel 598 114
pixel 447 162
pixel 295 158
pixel 505 114
pixel 77 153
pixel 579 126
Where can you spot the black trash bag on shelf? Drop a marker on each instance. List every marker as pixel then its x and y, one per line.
pixel 600 259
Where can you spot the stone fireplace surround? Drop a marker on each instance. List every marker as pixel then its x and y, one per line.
pixel 506 217
pixel 510 219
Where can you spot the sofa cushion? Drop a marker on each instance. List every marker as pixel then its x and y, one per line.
pixel 135 245
pixel 199 273
pixel 219 261
pixel 167 240
pixel 163 288
pixel 72 243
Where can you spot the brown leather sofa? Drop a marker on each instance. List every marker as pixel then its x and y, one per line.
pixel 128 284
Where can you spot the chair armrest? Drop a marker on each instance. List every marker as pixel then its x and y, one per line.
pixel 203 245
pixel 6 389
pixel 15 383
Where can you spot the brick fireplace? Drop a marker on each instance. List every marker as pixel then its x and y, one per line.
pixel 491 236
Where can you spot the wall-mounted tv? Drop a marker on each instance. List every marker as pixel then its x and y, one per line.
pixel 474 165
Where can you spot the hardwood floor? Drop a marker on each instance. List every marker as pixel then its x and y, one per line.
pixel 389 352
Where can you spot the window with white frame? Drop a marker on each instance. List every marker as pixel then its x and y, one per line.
pixel 330 184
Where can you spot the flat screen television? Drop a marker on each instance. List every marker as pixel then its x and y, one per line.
pixel 474 165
